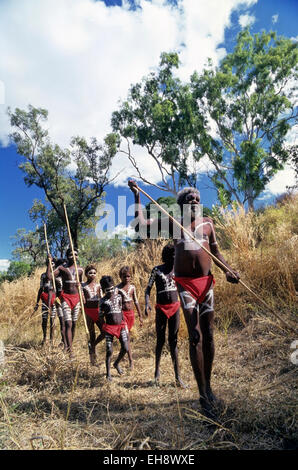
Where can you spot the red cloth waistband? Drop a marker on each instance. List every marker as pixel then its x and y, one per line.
pixel 168 309
pixel 93 313
pixel 129 317
pixel 197 287
pixel 113 330
pixel 71 299
pixel 45 297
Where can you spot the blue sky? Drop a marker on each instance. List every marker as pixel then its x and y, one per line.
pixel 79 58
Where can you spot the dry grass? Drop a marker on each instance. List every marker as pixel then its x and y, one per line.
pixel 46 402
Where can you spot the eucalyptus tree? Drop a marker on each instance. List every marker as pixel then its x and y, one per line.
pixel 249 105
pixel 76 176
pixel 160 115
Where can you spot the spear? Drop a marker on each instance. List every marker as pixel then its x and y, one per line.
pixel 48 251
pixel 216 259
pixel 78 279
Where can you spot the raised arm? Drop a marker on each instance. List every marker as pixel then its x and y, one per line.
pixel 55 271
pixel 149 227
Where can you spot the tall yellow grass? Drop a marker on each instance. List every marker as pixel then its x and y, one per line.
pixel 49 403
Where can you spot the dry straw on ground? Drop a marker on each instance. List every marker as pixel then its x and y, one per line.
pixel 48 402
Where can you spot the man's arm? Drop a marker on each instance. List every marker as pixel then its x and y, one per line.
pixel 38 295
pixel 148 291
pixel 214 248
pixel 49 272
pixel 136 302
pixel 101 316
pixel 148 226
pixel 85 294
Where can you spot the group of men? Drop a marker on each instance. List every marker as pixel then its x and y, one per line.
pixel 183 279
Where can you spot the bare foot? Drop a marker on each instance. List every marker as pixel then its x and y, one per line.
pixel 215 402
pixel 72 356
pixel 208 409
pixel 109 378
pixel 118 368
pixel 156 381
pixel 93 359
pixel 180 383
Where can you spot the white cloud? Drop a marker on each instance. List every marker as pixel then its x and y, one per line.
pixel 278 185
pixel 77 58
pixel 246 20
pixel 4 264
pixel 275 18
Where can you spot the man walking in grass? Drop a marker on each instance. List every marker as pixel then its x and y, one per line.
pixel 192 268
pixel 70 299
pixel 167 310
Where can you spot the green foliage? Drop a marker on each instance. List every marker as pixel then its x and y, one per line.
pixel 56 231
pixel 293 160
pixel 249 100
pixel 159 115
pixel 93 249
pixel 18 269
pixel 28 247
pixel 47 166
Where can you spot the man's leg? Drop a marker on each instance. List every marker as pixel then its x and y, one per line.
pixel 74 316
pixel 62 325
pixel 44 321
pixel 91 329
pixel 173 324
pixel 191 314
pixel 68 335
pixel 207 326
pixel 101 336
pixel 160 328
pixel 109 352
pixel 123 350
pixel 129 350
pixel 52 322
pixel 68 325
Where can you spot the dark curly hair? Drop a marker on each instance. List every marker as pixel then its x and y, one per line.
pixel 106 281
pixel 89 267
pixel 124 270
pixel 168 252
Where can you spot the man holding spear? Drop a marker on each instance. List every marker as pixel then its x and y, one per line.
pixel 47 295
pixel 192 268
pixel 70 299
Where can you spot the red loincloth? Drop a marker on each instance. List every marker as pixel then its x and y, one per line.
pixel 168 309
pixel 113 330
pixel 129 318
pixel 93 313
pixel 45 297
pixel 197 287
pixel 71 299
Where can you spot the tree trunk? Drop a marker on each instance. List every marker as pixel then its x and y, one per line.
pixel 250 199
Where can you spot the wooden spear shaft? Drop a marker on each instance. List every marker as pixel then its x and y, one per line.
pixel 216 259
pixel 48 251
pixel 77 276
